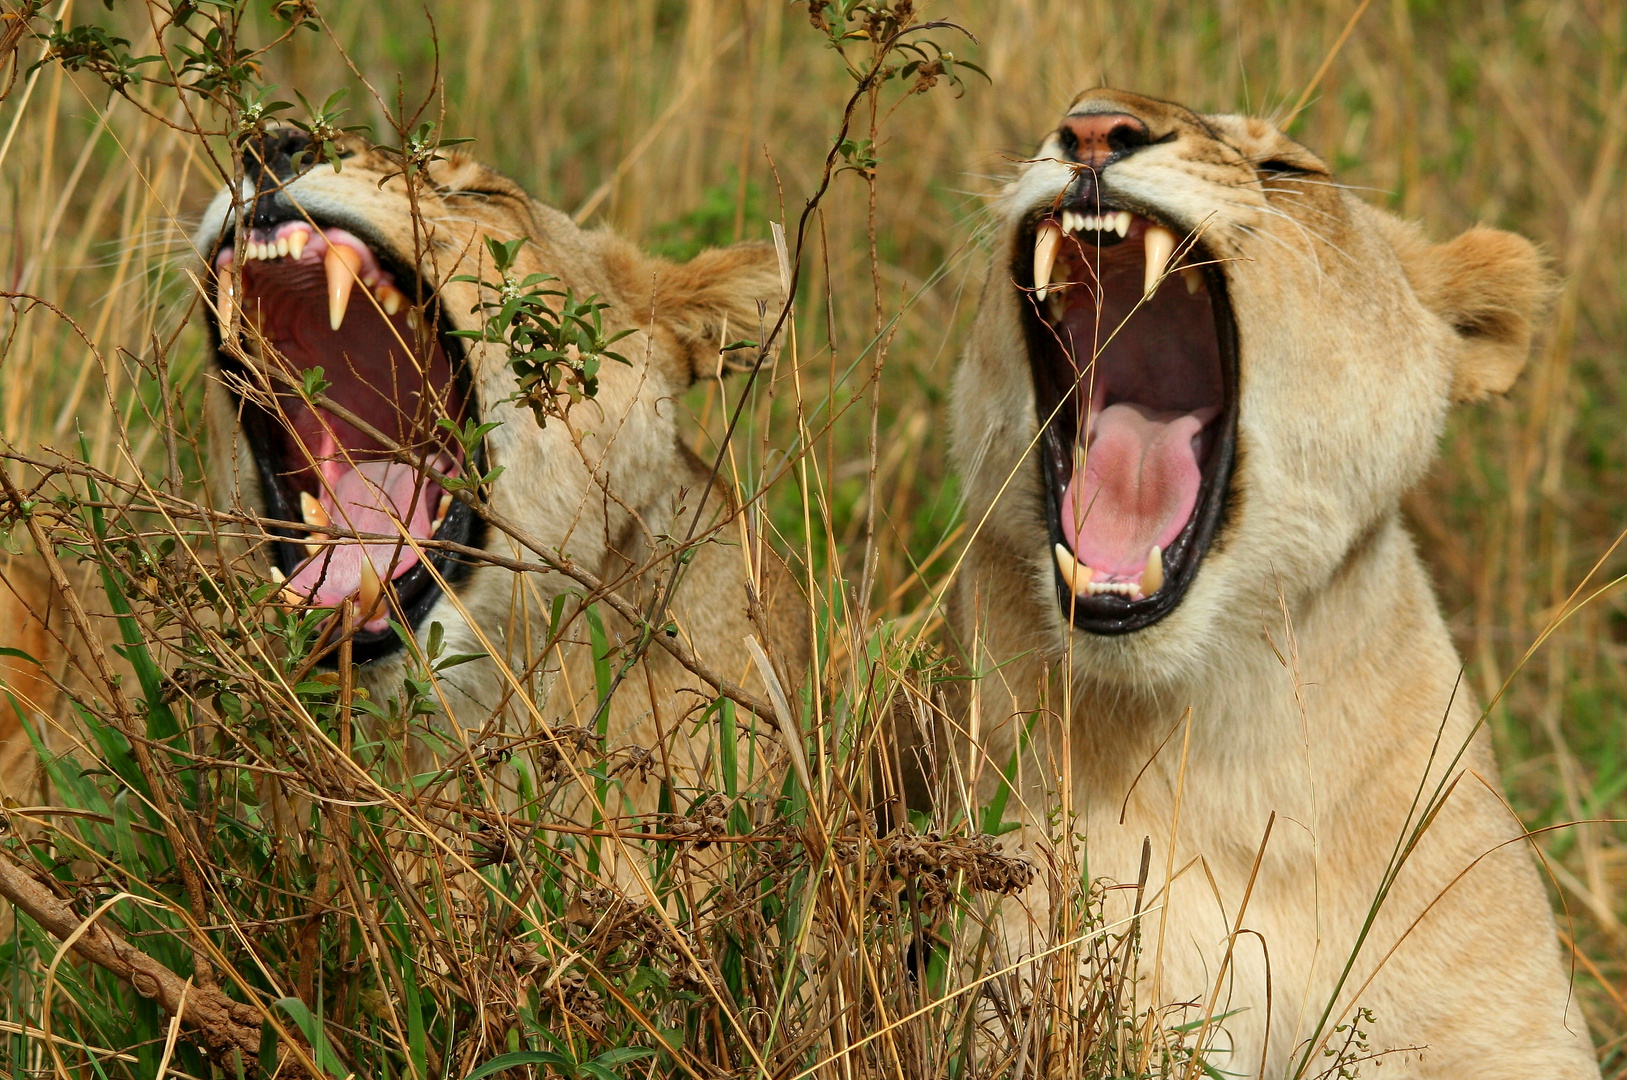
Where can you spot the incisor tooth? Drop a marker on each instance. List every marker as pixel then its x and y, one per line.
pixel 311 512
pixel 1121 222
pixel 297 239
pixel 1045 241
pixel 367 596
pixel 1074 573
pixel 1152 578
pixel 341 264
pixel 282 247
pixel 1160 245
pixel 1193 278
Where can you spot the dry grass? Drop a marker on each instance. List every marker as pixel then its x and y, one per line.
pixel 690 123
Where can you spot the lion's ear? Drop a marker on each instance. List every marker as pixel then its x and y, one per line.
pixel 734 290
pixel 1491 287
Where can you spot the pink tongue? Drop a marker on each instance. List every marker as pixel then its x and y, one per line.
pixel 1139 486
pixel 365 498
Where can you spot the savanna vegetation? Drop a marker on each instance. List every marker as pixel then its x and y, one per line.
pixel 216 793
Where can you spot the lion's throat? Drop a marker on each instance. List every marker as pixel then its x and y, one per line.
pixel 1137 488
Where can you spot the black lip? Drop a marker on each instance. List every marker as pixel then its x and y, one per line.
pixel 1109 614
pixel 416 591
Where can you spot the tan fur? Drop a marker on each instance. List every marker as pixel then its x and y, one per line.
pixel 603 488
pixel 26 691
pixel 1309 649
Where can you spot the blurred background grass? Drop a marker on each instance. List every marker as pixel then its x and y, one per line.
pixel 684 123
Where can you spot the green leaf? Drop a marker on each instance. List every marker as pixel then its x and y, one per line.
pixel 523 1057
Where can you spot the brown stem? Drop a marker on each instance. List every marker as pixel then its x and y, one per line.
pixel 225 1025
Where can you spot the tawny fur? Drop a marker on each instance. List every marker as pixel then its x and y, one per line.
pixel 1310 649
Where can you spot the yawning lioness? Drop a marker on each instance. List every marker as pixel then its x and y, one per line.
pixel 343 268
pixel 1200 380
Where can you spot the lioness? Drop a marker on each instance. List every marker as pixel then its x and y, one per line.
pixel 344 269
pixel 1201 377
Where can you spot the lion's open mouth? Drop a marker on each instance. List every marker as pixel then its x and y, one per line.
pixel 1134 359
pixel 314 295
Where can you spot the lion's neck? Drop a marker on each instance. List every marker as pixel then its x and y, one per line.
pixel 1303 685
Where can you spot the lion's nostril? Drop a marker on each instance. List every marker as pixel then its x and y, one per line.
pixel 1098 139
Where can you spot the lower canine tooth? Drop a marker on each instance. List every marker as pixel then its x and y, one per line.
pixel 1045 241
pixel 311 512
pixel 367 597
pixel 341 264
pixel 1160 245
pixel 1075 573
pixel 1152 578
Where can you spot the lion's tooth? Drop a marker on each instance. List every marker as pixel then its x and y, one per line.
pixel 225 300
pixel 1074 573
pixel 1045 241
pixel 277 575
pixel 440 512
pixel 341 264
pixel 1121 222
pixel 1056 307
pixel 297 239
pixel 282 247
pixel 1152 578
pixel 1193 278
pixel 1160 245
pixel 390 298
pixel 367 597
pixel 311 512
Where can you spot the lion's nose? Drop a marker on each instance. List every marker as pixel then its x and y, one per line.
pixel 1098 139
pixel 268 164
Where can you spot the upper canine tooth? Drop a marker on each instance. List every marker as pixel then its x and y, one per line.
pixel 225 298
pixel 341 263
pixel 297 239
pixel 1121 222
pixel 1075 573
pixel 1160 245
pixel 1152 578
pixel 1046 239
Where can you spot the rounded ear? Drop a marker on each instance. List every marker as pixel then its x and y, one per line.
pixel 1491 287
pixel 734 290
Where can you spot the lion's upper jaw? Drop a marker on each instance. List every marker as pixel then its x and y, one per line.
pixel 1337 387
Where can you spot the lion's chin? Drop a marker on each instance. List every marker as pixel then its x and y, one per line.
pixel 1133 357
pixel 323 313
